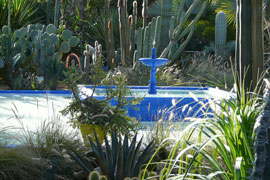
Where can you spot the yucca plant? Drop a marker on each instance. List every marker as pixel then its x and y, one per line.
pixel 23 12
pixel 119 159
pixel 221 147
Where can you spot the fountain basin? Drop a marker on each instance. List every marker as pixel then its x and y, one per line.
pixel 153 62
pixel 176 102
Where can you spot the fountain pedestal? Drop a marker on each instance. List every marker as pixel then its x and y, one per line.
pixel 153 63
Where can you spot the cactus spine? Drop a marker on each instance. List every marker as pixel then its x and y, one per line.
pixel 221 33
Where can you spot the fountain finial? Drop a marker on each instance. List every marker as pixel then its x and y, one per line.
pixel 154 53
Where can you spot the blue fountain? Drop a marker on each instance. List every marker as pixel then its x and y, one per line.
pixel 153 63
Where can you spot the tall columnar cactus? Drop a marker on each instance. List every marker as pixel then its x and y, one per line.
pixel 9 14
pixel 48 11
pixel 221 33
pixel 145 12
pixel 249 41
pixel 179 30
pixel 173 27
pixel 127 25
pixel 146 37
pixel 166 13
pixel 56 13
pixel 123 28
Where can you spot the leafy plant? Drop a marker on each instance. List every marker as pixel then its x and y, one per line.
pixel 20 163
pixel 23 12
pixel 212 147
pixel 90 110
pixel 120 159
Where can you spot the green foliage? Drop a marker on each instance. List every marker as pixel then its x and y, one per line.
pixel 100 112
pixel 12 54
pixel 212 147
pixel 53 71
pixel 47 45
pixel 23 12
pixel 20 163
pixel 123 158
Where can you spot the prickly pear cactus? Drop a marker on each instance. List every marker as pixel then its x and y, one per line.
pixel 47 43
pixel 221 33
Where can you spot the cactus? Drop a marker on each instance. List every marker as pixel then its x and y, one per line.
pixel 145 12
pixel 94 53
pixel 221 33
pixel 173 28
pixel 249 41
pixel 46 43
pixel 56 13
pixel 94 175
pixel 48 11
pixel 179 32
pixel 9 15
pixel 124 34
pixel 166 13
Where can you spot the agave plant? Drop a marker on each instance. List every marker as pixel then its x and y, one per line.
pixel 53 70
pixel 119 159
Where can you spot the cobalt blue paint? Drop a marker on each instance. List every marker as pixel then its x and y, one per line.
pixel 153 63
pixel 151 108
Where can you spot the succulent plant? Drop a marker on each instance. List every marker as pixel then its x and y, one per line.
pixel 123 158
pixel 221 33
pixel 12 54
pixel 46 43
pixel 249 41
pixel 94 175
